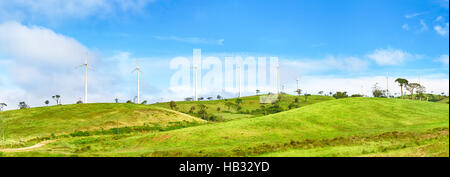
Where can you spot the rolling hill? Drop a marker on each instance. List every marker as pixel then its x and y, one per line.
pixel 226 109
pixel 343 127
pixel 26 124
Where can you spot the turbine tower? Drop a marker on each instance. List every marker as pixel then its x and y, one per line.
pixel 138 71
pixel 387 85
pixel 297 84
pixel 86 67
pixel 195 84
pixel 238 69
pixel 278 79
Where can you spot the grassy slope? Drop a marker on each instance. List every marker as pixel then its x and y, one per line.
pixel 249 103
pixel 29 123
pixel 309 125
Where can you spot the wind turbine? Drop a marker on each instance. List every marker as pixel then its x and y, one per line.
pixel 195 83
pixel 238 69
pixel 86 67
pixel 278 79
pixel 387 84
pixel 138 71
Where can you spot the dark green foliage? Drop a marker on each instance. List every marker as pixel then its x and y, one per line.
pixel 339 95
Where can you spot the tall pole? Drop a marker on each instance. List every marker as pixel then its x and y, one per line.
pixel 195 84
pixel 387 84
pixel 362 91
pixel 238 68
pixel 278 79
pixel 298 84
pixel 85 78
pixel 138 100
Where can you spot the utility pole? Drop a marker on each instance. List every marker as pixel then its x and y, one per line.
pixel 297 84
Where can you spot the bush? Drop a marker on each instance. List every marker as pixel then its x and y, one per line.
pixel 339 95
pixel 79 133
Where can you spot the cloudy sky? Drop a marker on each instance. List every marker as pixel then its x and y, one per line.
pixel 330 45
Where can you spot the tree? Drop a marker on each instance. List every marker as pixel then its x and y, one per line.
pixel 210 98
pixel 411 87
pixel 201 98
pixel 357 95
pixel 79 102
pixel 238 101
pixel 144 102
pixel 202 112
pixel 420 91
pixel 173 105
pixel 258 91
pixel 188 99
pixel 219 97
pixel 306 97
pixel 229 105
pixel 320 92
pixel 47 102
pixel 218 109
pixel 378 92
pixel 192 109
pixel 57 99
pixel 299 92
pixel 23 105
pixel 339 95
pixel 2 105
pixel 129 101
pixel 116 100
pixel 402 83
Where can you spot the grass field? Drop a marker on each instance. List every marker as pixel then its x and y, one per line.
pixel 27 124
pixel 343 127
pixel 249 105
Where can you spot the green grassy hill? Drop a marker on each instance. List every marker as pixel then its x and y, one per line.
pixel 343 127
pixel 445 100
pixel 23 125
pixel 250 106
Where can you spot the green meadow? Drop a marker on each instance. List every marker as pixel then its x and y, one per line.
pixel 320 126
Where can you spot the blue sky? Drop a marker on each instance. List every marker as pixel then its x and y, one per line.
pixel 355 41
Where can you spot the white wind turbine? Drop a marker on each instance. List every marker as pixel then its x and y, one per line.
pixel 238 70
pixel 195 83
pixel 138 71
pixel 86 67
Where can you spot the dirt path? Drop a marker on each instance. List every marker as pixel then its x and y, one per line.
pixel 26 148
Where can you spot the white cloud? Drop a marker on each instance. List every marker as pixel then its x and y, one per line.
pixel 424 26
pixel 405 27
pixel 412 15
pixel 444 59
pixel 357 85
pixel 389 56
pixel 192 40
pixel 439 18
pixel 51 9
pixel 41 45
pixel 442 30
